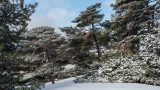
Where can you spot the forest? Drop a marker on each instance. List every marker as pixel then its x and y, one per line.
pixel 124 49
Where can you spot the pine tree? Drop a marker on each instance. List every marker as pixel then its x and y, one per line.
pixel 78 46
pixel 133 15
pixel 40 48
pixel 125 20
pixel 90 20
pixel 14 15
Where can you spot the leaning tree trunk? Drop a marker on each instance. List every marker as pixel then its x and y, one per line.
pixel 97 46
pixel 96 42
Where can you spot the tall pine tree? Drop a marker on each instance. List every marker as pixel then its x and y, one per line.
pixel 40 47
pixel 14 15
pixel 133 15
pixel 90 20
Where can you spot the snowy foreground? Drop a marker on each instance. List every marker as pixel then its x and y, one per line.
pixel 68 84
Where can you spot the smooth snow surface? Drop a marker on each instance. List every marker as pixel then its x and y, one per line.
pixel 68 84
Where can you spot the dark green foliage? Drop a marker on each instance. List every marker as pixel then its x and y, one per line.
pixel 10 67
pixel 38 41
pixel 69 31
pixel 105 37
pixel 41 47
pixel 90 20
pixel 13 20
pixel 78 46
pixel 90 16
pixel 126 20
pixel 106 24
pixel 131 16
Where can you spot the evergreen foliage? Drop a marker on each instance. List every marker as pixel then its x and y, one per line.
pixel 78 46
pixel 131 16
pixel 40 47
pixel 90 20
pixel 13 18
pixel 14 15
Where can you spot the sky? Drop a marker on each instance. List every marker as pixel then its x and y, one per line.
pixel 60 13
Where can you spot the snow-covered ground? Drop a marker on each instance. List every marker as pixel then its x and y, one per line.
pixel 68 84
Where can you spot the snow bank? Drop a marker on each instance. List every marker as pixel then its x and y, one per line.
pixel 68 84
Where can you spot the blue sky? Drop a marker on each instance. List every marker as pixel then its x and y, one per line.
pixel 59 13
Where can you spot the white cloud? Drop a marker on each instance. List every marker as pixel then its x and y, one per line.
pixel 57 14
pixel 108 3
pixel 39 20
pixel 55 17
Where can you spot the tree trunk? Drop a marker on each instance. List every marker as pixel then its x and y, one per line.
pixel 53 81
pixel 96 42
pixel 52 67
pixel 97 46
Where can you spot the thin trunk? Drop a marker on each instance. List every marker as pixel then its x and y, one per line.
pixel 97 46
pixel 96 42
pixel 52 67
pixel 153 16
pixel 53 78
pixel 21 3
pixel 148 25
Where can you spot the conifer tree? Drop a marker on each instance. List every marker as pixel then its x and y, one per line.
pixel 40 48
pixel 90 20
pixel 133 15
pixel 78 46
pixel 14 15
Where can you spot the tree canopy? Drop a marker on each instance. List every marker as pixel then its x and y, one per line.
pixel 90 20
pixel 14 16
